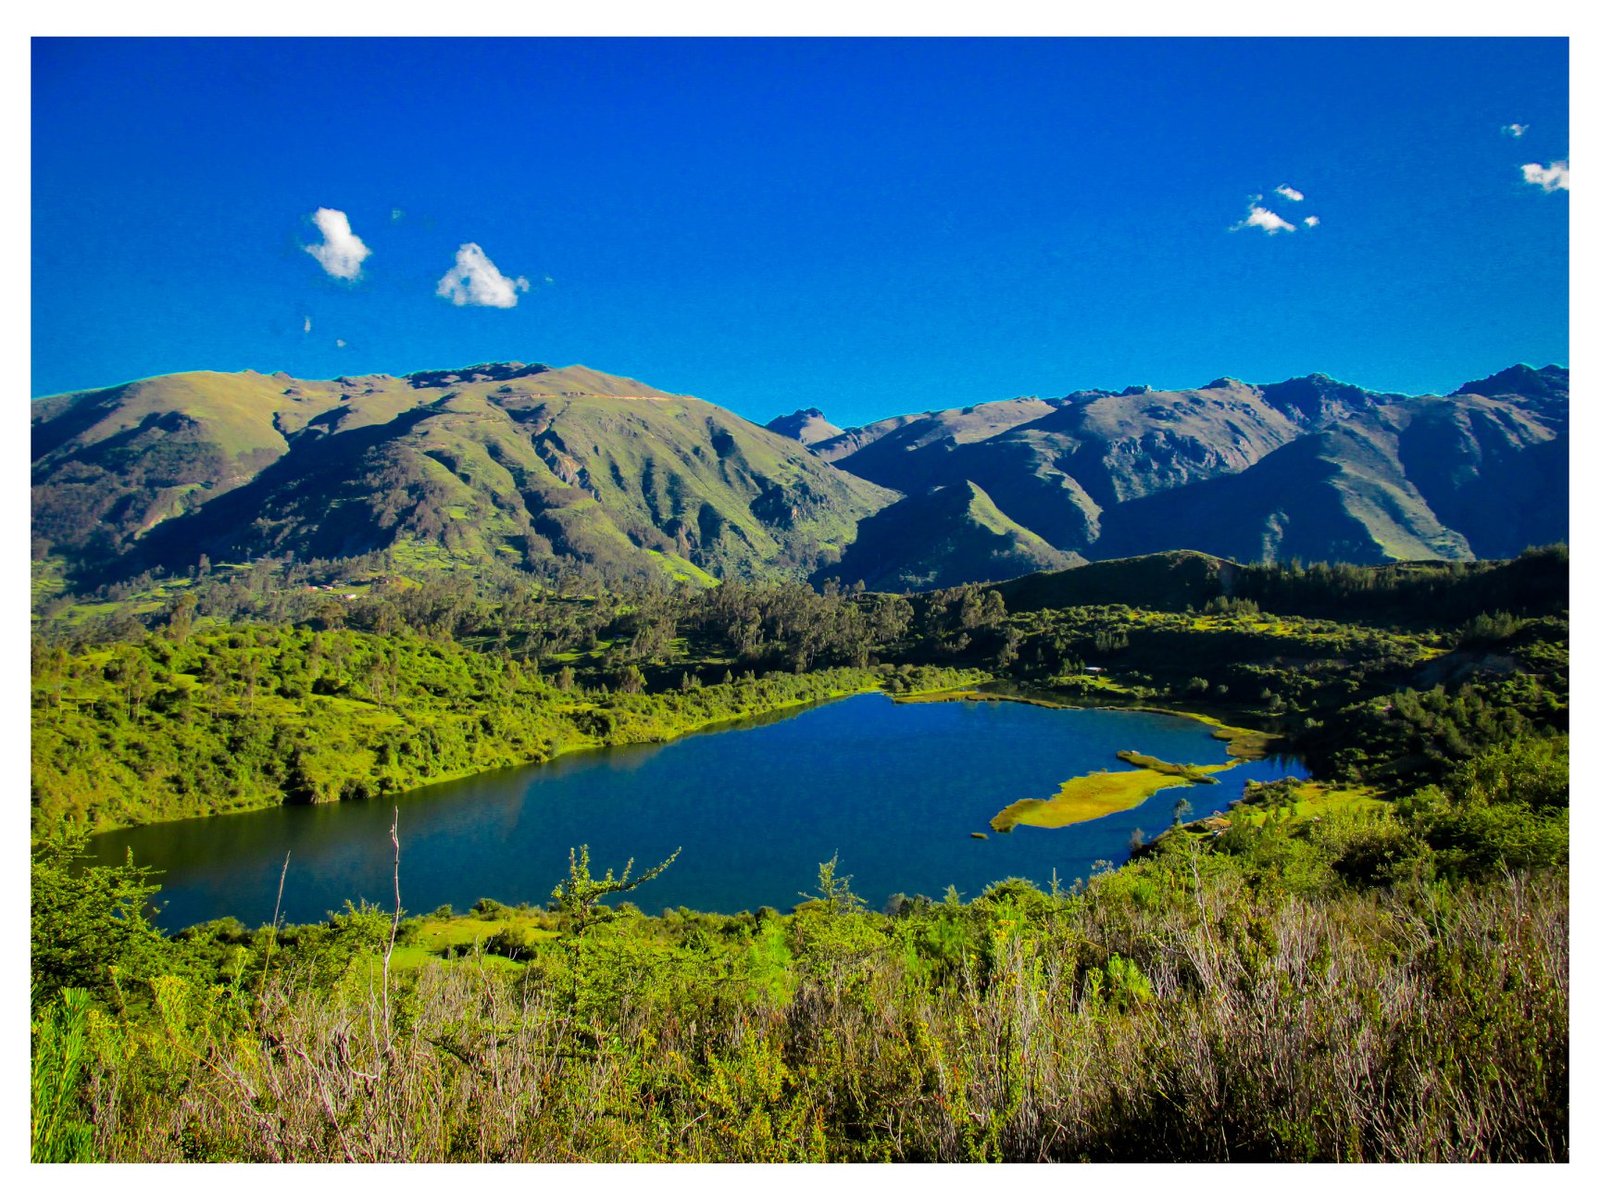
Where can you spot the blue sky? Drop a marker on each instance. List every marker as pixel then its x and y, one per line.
pixel 869 227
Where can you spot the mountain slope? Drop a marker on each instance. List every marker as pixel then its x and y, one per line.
pixel 1310 467
pixel 522 464
pixel 888 446
pixel 1171 580
pixel 807 426
pixel 940 539
pixel 528 466
pixel 1415 478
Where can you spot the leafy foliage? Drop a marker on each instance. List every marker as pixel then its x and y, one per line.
pixel 1320 975
pixel 89 924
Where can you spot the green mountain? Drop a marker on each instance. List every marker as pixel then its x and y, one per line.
pixel 943 538
pixel 530 466
pixel 1422 477
pixel 1309 468
pixel 523 464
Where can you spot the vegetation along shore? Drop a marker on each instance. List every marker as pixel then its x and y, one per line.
pixel 1375 960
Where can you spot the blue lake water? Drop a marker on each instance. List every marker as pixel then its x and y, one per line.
pixel 895 789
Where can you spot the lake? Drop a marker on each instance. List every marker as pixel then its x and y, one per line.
pixel 895 789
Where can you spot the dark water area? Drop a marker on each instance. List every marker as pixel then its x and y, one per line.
pixel 895 789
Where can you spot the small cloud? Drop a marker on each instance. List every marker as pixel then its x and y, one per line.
pixel 1554 178
pixel 339 342
pixel 1514 130
pixel 477 281
pixel 397 214
pixel 340 252
pixel 308 324
pixel 1263 219
pixel 1289 193
pixel 1312 222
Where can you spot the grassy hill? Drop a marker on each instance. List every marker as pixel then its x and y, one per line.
pixel 1414 594
pixel 510 462
pixel 950 536
pixel 526 466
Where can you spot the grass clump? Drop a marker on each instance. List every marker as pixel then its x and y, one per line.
pixel 1150 762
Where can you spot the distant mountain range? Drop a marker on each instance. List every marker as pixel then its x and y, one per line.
pixel 1309 468
pixel 530 465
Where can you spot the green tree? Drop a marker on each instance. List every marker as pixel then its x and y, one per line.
pixel 89 924
pixel 579 897
pixel 833 889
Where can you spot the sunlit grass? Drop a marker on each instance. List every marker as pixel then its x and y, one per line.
pixel 1313 801
pixel 1098 794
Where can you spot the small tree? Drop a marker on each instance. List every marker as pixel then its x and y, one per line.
pixel 89 922
pixel 578 897
pixel 834 890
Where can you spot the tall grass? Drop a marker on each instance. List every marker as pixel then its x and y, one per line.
pixel 1183 1016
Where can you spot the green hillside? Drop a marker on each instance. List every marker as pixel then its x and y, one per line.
pixel 951 536
pixel 503 462
pixel 1409 480
pixel 1310 467
pixel 525 467
pixel 1171 581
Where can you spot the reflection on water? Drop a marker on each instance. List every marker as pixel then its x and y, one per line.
pixel 896 789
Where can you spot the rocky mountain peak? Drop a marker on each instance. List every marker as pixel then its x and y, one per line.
pixel 806 425
pixel 1544 383
pixel 495 372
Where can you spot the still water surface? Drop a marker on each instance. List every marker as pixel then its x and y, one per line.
pixel 896 789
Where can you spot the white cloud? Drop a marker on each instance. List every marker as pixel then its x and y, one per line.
pixel 1289 193
pixel 477 281
pixel 340 252
pixel 308 324
pixel 1312 222
pixel 1514 130
pixel 1556 177
pixel 339 342
pixel 1263 219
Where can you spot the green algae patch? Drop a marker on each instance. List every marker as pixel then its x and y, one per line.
pixel 1150 762
pixel 1099 794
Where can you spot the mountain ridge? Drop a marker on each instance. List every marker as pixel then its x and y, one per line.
pixel 496 462
pixel 1478 473
pixel 530 465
